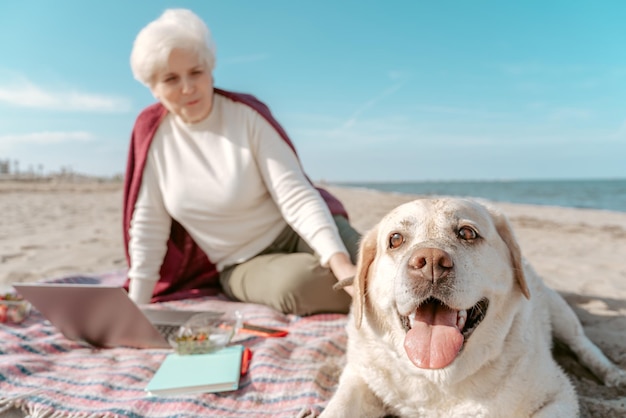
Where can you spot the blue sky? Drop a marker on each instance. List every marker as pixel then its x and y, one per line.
pixel 368 91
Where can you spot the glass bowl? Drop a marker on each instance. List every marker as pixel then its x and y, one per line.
pixel 206 332
pixel 13 308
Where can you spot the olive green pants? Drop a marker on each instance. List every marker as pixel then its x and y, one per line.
pixel 288 276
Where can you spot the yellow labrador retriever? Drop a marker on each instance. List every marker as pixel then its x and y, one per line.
pixel 448 320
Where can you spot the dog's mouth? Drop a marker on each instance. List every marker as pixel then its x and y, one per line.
pixel 436 333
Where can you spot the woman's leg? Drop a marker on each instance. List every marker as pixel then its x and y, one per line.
pixel 289 278
pixel 291 283
pixel 349 236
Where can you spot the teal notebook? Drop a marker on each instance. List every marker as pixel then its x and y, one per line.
pixel 218 371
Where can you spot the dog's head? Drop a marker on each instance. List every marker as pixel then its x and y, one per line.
pixel 432 270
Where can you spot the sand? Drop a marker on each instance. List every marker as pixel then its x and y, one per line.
pixel 50 229
pixel 55 228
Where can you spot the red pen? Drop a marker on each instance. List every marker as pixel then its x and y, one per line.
pixel 246 357
pixel 263 331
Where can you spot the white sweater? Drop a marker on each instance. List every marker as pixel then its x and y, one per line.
pixel 233 184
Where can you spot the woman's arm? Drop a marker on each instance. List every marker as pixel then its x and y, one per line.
pixel 299 202
pixel 149 232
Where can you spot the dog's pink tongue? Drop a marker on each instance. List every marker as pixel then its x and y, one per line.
pixel 434 341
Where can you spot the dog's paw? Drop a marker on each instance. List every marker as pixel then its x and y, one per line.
pixel 615 378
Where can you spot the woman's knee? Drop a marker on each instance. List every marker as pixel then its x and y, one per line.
pixel 301 273
pixel 293 283
pixel 308 288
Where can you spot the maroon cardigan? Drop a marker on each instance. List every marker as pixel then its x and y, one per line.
pixel 186 271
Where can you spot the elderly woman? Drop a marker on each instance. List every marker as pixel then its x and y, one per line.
pixel 215 193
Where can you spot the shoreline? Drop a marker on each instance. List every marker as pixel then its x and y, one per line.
pixel 600 194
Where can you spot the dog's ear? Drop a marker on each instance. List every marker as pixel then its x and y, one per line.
pixel 367 253
pixel 506 233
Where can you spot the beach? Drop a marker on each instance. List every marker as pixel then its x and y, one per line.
pixel 55 228
pixel 50 229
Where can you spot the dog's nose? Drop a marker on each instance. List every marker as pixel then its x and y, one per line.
pixel 430 264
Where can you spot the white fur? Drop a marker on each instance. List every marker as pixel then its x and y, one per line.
pixel 506 367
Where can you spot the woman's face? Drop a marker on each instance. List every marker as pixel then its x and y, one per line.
pixel 185 86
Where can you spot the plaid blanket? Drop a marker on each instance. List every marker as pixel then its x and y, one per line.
pixel 47 376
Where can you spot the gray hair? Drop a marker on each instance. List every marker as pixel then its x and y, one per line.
pixel 175 28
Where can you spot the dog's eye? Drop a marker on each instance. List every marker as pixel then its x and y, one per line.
pixel 395 240
pixel 468 234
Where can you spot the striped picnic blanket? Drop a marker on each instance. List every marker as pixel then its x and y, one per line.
pixel 47 376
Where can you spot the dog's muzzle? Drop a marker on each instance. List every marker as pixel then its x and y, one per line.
pixel 436 332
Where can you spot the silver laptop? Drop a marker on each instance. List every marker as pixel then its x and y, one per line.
pixel 102 316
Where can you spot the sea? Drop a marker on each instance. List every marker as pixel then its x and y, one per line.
pixel 607 194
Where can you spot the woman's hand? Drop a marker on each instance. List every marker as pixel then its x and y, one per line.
pixel 342 268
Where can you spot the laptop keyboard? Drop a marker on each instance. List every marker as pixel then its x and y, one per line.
pixel 167 331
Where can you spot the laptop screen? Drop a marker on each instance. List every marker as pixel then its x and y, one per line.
pixel 102 316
